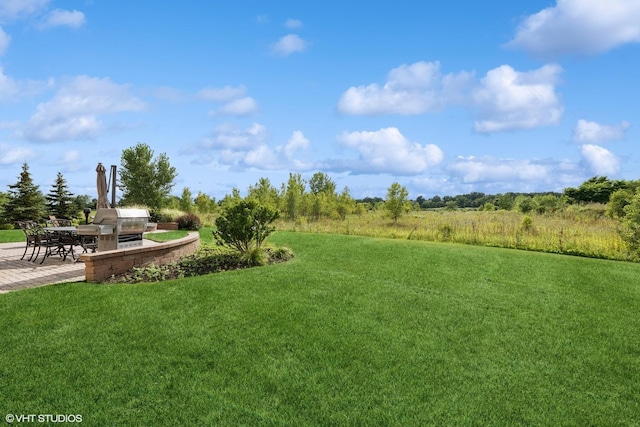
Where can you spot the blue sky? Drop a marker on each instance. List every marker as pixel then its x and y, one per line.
pixel 443 97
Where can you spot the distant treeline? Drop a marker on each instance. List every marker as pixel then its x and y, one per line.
pixel 595 190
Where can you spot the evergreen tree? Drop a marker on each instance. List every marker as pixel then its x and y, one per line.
pixel 26 201
pixel 60 201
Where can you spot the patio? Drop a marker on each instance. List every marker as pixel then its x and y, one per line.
pixel 16 274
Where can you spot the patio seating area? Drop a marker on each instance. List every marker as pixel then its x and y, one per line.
pixel 59 237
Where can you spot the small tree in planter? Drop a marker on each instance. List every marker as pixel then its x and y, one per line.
pixel 244 226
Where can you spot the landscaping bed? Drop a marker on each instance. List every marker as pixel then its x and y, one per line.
pixel 209 258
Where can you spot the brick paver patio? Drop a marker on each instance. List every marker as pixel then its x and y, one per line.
pixel 18 274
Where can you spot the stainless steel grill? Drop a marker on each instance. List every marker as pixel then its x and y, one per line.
pixel 117 228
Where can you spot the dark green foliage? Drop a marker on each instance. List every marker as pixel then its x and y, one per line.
pixel 245 225
pixel 189 221
pixel 597 190
pixel 631 222
pixel 144 180
pixel 618 200
pixel 60 200
pixel 83 201
pixel 26 201
pixel 525 204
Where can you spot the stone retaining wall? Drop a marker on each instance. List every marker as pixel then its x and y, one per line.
pixel 99 266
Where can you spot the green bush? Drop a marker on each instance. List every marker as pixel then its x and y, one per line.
pixel 527 223
pixel 245 225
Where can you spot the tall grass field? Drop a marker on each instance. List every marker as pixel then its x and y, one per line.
pixel 353 331
pixel 575 231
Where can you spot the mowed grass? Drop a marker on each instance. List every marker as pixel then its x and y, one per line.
pixel 10 236
pixel 353 331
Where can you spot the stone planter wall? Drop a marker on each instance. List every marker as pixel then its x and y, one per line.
pixel 167 226
pixel 99 266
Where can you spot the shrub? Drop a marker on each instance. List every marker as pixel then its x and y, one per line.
pixel 280 254
pixel 256 257
pixel 527 223
pixel 245 225
pixel 488 207
pixel 164 215
pixel 189 221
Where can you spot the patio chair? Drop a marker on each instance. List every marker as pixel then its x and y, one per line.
pixel 58 222
pixel 28 228
pixel 49 241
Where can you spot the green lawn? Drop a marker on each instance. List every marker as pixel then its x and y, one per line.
pixel 9 236
pixel 353 331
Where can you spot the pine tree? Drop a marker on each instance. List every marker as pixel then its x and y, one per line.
pixel 26 201
pixel 60 200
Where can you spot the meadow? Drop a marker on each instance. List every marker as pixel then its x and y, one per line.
pixel 577 230
pixel 353 331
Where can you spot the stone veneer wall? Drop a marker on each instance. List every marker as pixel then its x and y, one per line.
pixel 99 266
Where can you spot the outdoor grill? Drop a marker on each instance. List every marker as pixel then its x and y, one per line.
pixel 117 228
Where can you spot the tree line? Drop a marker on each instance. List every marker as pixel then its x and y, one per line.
pixel 147 180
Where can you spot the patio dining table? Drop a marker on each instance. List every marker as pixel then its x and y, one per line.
pixel 68 237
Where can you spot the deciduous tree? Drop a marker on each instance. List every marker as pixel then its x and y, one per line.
pixel 397 201
pixel 145 180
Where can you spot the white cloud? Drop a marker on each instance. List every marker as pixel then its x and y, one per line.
pixel 13 155
pixel 293 23
pixel 295 143
pixel 64 18
pixel 238 107
pixel 247 148
pixel 223 94
pixel 488 169
pixel 579 27
pixel 387 151
pixel 74 111
pixel 5 40
pixel 600 160
pixel 14 9
pixel 14 90
pixel 593 132
pixel 70 160
pixel 282 157
pixel 234 99
pixel 410 89
pixel 291 43
pixel 510 100
pixel 228 136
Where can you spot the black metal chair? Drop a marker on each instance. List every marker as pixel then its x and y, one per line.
pixel 29 230
pixel 49 241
